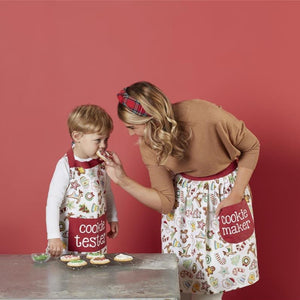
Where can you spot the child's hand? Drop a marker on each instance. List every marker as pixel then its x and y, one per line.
pixel 55 247
pixel 114 230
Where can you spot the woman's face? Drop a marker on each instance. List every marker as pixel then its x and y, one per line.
pixel 135 129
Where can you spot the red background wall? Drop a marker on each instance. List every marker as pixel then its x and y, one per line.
pixel 241 55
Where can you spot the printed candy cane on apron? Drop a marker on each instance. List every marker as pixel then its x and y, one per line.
pixel 235 271
pixel 240 247
pixel 220 261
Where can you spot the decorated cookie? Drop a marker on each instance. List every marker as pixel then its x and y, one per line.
pixel 69 257
pixel 77 263
pixel 104 155
pixel 91 255
pixel 123 257
pixel 99 260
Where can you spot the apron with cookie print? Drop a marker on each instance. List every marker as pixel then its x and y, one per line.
pixel 82 213
pixel 207 264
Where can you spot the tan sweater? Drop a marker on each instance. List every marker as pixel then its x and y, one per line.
pixel 218 138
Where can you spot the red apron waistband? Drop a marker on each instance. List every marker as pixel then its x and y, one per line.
pixel 223 173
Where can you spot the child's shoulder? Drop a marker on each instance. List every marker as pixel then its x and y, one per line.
pixel 63 162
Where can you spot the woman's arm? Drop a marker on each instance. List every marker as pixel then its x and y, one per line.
pixel 147 196
pixel 237 193
pixel 233 132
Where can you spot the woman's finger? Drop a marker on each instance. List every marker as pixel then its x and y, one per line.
pixel 116 158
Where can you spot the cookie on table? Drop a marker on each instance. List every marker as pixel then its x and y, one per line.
pixel 77 263
pixel 92 255
pixel 100 261
pixel 123 257
pixel 69 257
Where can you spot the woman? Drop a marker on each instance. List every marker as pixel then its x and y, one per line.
pixel 200 159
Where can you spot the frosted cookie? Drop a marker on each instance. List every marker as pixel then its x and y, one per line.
pixel 104 155
pixel 91 255
pixel 99 261
pixel 77 263
pixel 69 257
pixel 123 257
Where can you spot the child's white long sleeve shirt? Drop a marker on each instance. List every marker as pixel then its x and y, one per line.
pixel 57 190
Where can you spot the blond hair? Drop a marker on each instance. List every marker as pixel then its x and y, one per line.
pixel 162 132
pixel 90 119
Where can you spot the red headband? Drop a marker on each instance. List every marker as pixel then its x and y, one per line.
pixel 132 104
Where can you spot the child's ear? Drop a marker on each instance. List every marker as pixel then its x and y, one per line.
pixel 76 136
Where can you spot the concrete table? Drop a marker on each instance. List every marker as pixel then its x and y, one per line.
pixel 148 276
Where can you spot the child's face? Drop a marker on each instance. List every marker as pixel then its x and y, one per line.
pixel 88 144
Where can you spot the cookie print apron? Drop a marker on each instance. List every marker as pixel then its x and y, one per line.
pixel 82 214
pixel 207 263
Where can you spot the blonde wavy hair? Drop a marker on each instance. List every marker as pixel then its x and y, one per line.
pixel 90 118
pixel 162 132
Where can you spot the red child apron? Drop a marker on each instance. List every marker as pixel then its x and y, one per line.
pixel 82 214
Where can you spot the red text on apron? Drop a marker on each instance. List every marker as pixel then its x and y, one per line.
pixel 87 235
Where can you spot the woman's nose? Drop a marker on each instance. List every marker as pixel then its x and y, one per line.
pixel 131 132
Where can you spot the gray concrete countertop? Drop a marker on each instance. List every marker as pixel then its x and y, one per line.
pixel 148 276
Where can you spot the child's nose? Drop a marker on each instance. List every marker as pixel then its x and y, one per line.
pixel 102 145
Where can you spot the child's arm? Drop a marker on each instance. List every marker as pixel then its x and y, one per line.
pixel 111 213
pixel 114 230
pixel 57 189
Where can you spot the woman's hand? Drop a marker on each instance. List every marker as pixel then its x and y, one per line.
pixel 237 193
pixel 233 198
pixel 55 247
pixel 115 169
pixel 147 196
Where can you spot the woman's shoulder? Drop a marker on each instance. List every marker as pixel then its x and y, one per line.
pixel 197 107
pixel 192 103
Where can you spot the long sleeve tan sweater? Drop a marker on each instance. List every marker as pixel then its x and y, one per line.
pixel 218 138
